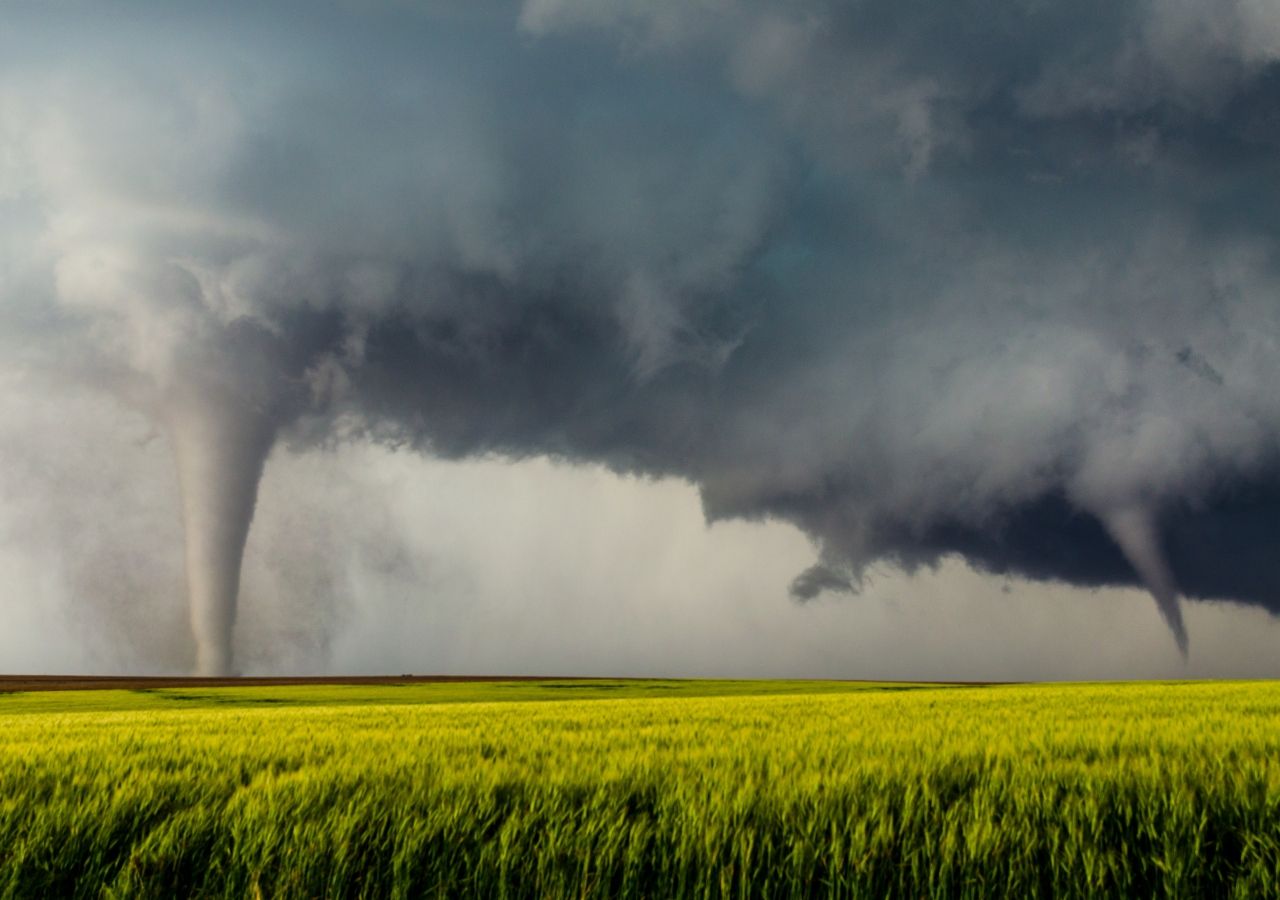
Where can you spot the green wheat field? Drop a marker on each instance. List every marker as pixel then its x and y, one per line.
pixel 643 789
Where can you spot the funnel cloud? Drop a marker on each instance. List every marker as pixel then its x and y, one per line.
pixel 220 447
pixel 1134 531
pixel 996 282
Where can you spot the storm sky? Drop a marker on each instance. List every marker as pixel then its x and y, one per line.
pixel 874 339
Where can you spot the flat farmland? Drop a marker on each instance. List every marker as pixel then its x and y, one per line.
pixel 630 788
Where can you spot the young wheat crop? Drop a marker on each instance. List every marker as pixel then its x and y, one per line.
pixel 1018 791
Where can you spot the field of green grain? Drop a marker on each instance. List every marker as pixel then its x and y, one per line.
pixel 643 789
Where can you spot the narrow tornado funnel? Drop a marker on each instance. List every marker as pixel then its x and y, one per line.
pixel 220 442
pixel 1133 529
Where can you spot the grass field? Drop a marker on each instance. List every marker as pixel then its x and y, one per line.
pixel 643 789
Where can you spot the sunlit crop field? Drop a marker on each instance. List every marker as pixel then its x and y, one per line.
pixel 678 789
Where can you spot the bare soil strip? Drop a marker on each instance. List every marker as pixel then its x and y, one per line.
pixel 16 683
pixel 13 683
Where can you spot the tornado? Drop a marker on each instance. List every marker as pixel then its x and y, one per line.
pixel 220 442
pixel 930 320
pixel 1133 529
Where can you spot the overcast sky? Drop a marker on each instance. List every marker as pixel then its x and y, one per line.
pixel 689 337
pixel 368 560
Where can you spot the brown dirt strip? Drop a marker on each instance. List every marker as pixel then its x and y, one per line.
pixel 14 683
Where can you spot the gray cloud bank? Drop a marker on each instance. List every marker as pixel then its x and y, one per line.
pixel 988 279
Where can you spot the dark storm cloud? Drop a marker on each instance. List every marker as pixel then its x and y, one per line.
pixel 988 279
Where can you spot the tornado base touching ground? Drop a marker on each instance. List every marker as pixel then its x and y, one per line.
pixel 220 448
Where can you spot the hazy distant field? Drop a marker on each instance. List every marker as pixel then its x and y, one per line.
pixel 654 789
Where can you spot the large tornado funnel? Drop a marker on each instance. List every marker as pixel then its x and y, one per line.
pixel 220 443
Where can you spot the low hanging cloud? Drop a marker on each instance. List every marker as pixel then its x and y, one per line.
pixel 926 280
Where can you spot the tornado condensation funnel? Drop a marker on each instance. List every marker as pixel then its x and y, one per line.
pixel 1134 531
pixel 220 444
